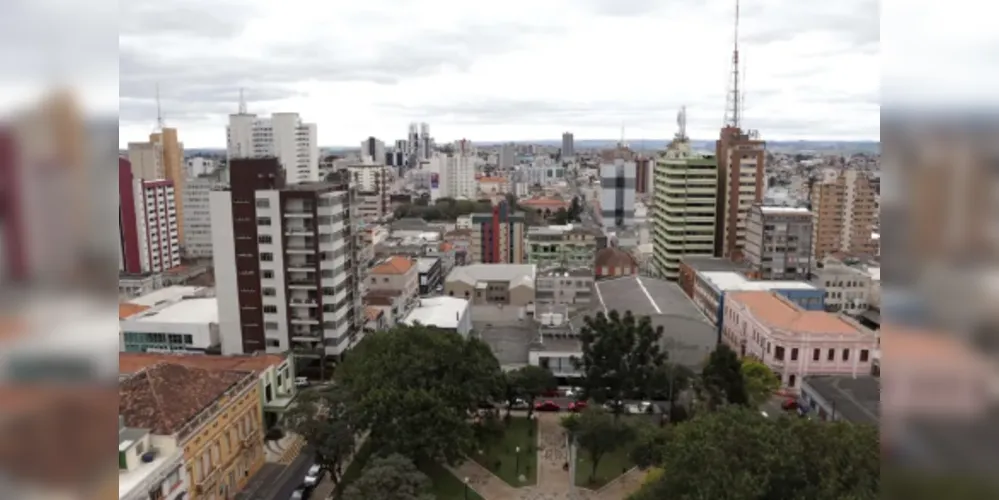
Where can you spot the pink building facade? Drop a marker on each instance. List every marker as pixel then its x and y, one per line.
pixel 795 342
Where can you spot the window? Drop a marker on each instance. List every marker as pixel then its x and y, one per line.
pixel 268 292
pixel 266 257
pixel 264 239
pixel 864 355
pixel 263 203
pixel 794 354
pixel 846 355
pixel 270 325
pixel 263 221
pixel 779 353
pixel 831 356
pixel 267 274
pixel 270 309
pixel 791 379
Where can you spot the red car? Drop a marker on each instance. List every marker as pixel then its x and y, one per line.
pixel 789 404
pixel 576 406
pixel 546 406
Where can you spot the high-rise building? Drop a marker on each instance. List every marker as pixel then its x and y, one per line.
pixel 779 243
pixel 644 168
pixel 147 223
pixel 568 146
pixel 198 237
pixel 617 190
pixel 283 136
pixel 372 181
pixel 374 149
pixel 498 237
pixel 843 205
pixel 507 157
pixel 683 213
pixel 286 264
pixel 741 179
pixel 426 142
pixel 174 169
pixel 457 172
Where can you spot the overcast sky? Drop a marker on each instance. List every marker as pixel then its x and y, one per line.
pixel 516 69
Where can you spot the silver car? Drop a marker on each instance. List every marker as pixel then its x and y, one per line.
pixel 314 476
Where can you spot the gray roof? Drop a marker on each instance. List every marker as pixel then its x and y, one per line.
pixel 687 335
pixel 424 264
pixel 515 274
pixel 712 264
pixel 856 399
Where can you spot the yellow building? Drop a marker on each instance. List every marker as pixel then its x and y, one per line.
pixel 173 166
pixel 214 417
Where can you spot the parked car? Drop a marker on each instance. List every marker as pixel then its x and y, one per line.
pixel 302 382
pixel 789 404
pixel 314 476
pixel 299 494
pixel 576 406
pixel 518 404
pixel 546 406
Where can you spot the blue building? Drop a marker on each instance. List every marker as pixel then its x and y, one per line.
pixel 710 289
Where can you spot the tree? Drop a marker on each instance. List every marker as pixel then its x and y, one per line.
pixel 533 382
pixel 722 379
pixel 735 453
pixel 512 391
pixel 598 433
pixel 761 382
pixel 561 217
pixel 620 354
pixel 322 418
pixel 416 388
pixel 575 210
pixel 391 478
pixel 649 445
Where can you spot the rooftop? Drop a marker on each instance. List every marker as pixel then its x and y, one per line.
pixel 425 264
pixel 712 264
pixel 614 257
pixel 771 209
pixel 185 311
pixel 442 312
pixel 727 281
pixel 515 274
pixel 126 310
pixel 856 400
pixel 778 312
pixel 168 294
pixel 393 265
pixel 166 396
pixel 578 272
pixel 133 362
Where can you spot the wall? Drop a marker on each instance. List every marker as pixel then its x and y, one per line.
pixel 224 264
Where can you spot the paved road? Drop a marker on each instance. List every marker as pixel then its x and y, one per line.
pixel 276 482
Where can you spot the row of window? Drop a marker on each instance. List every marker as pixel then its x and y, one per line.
pixel 158 338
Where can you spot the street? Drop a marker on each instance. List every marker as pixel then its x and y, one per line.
pixel 276 482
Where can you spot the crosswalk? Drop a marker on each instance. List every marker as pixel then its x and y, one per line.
pixel 292 451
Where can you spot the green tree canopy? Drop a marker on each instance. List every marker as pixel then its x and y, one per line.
pixel 531 382
pixel 390 478
pixel 737 454
pixel 415 389
pixel 598 433
pixel 322 418
pixel 722 379
pixel 620 354
pixel 761 382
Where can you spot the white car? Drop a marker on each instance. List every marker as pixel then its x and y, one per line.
pixel 301 382
pixel 314 476
pixel 519 404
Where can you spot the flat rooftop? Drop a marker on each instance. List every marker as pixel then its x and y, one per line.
pixel 442 312
pixel 129 480
pixel 856 399
pixel 200 311
pixel 168 294
pixel 726 281
pixel 712 264
pixel 779 312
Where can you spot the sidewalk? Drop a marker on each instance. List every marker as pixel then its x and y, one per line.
pixel 485 483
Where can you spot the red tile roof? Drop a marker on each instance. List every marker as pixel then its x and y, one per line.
pixel 133 362
pixel 393 265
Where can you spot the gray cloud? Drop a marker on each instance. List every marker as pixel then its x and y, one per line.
pixel 215 19
pixel 856 22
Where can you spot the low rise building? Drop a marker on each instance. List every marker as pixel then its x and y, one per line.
pixel 446 313
pixel 178 319
pixel 431 275
pixel 690 266
pixel 491 186
pixel 613 262
pixel 213 417
pixel 564 286
pixel 795 342
pixel 396 274
pixel 848 282
pixel 842 398
pixel 482 284
pixel 569 245
pixel 135 285
pixel 149 466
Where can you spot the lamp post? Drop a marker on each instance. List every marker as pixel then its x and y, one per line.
pixel 466 488
pixel 516 468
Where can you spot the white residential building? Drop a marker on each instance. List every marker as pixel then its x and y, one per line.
pixel 373 150
pixel 198 224
pixel 147 223
pixel 286 264
pixel 617 193
pixel 848 285
pixel 283 136
pixel 198 166
pixel 455 173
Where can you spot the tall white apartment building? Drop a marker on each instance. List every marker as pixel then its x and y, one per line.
pixel 507 156
pixel 372 182
pixel 147 223
pixel 458 172
pixel 286 264
pixel 197 210
pixel 283 136
pixel 617 193
pixel 373 149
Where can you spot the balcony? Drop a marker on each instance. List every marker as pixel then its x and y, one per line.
pixel 303 303
pixel 252 438
pixel 299 231
pixel 301 249
pixel 302 284
pixel 304 321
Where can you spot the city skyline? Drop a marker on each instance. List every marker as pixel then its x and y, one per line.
pixel 494 74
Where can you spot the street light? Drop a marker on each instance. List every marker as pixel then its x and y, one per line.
pixel 516 469
pixel 466 488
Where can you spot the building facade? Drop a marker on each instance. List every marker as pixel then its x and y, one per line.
pixel 741 183
pixel 849 286
pixel 286 264
pixel 563 286
pixel 843 205
pixel 147 223
pixel 213 418
pixel 684 208
pixel 283 136
pixel 617 193
pixel 498 237
pixel 493 284
pixel 431 275
pixel 162 158
pixel 779 243
pixel 568 146
pixel 374 149
pixel 198 222
pixel 553 246
pixel 399 274
pixel 793 342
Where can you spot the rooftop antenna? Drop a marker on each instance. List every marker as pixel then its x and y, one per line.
pixel 681 121
pixel 159 110
pixel 242 102
pixel 733 104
